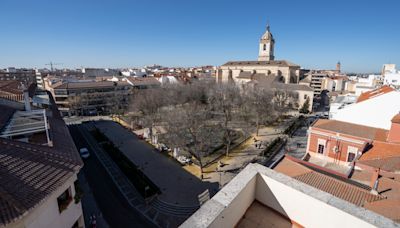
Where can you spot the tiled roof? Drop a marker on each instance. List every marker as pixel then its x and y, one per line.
pixel 388 208
pixel 374 93
pixel 390 164
pixel 282 63
pixel 80 85
pixel 143 81
pixel 356 130
pixel 11 87
pixel 291 86
pixel 29 173
pixel 380 150
pixel 346 191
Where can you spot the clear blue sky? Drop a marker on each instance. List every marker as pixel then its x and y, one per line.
pixel 362 34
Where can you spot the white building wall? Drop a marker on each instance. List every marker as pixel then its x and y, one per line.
pixel 375 112
pixel 392 78
pixel 48 215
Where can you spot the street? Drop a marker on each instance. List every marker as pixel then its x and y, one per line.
pixel 115 210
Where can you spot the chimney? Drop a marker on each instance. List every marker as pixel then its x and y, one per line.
pixel 394 132
pixel 374 182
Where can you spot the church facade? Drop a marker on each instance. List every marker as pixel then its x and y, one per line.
pixel 267 72
pixel 243 71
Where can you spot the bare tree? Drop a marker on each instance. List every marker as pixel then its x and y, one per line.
pixel 149 102
pixel 259 105
pixel 226 99
pixel 189 128
pixel 284 100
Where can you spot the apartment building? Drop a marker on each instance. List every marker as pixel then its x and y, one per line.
pixel 90 97
pixel 27 76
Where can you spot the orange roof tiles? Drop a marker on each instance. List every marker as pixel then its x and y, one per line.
pixel 388 208
pixel 356 130
pixel 381 150
pixel 340 189
pixel 374 93
pixel 346 191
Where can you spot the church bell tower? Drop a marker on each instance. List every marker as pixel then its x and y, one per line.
pixel 266 48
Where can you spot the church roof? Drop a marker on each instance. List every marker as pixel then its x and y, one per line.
pixel 282 63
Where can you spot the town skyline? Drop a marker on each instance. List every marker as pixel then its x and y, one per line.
pixel 90 36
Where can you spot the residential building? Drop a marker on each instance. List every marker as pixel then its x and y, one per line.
pixel 26 76
pixel 374 108
pixel 39 164
pixel 357 156
pixel 390 75
pixel 95 72
pixel 261 197
pixel 90 97
pixel 334 84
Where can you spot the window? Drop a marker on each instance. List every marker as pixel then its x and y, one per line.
pixel 351 153
pixel 265 47
pixel 64 200
pixel 321 148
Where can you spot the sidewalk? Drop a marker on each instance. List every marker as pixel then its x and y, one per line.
pixel 238 157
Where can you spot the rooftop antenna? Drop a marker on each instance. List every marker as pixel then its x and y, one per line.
pixel 51 64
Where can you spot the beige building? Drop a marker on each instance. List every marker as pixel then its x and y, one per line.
pixel 266 64
pixel 267 72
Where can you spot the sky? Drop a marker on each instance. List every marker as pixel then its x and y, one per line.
pixel 316 34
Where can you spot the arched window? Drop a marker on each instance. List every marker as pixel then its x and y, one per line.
pixel 265 47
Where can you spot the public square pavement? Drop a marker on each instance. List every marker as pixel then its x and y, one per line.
pixel 178 186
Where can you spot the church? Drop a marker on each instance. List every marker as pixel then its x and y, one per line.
pixel 266 72
pixel 245 71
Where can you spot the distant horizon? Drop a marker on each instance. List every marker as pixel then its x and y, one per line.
pixel 139 67
pixel 123 34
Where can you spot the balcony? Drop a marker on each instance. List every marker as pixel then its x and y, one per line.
pixel 261 197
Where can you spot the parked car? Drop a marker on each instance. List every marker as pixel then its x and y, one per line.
pixel 84 152
pixel 163 148
pixel 184 160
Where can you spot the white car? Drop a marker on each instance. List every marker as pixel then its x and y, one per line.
pixel 183 160
pixel 84 152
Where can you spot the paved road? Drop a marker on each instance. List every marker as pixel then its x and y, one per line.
pixel 176 184
pixel 116 211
